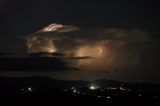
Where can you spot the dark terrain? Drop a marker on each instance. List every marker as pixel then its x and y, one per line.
pixel 59 92
pixel 100 92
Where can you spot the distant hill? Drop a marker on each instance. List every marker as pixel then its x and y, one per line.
pixel 39 82
pixel 54 83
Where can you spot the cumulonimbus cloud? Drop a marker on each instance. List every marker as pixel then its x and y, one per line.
pixel 109 48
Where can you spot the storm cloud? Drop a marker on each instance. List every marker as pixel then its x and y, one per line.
pixel 90 54
pixel 110 49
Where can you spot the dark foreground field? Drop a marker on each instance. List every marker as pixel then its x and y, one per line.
pixel 46 91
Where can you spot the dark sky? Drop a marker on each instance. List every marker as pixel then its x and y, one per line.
pixel 26 16
pixel 19 18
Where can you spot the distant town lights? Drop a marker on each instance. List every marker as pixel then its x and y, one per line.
pixel 30 89
pixel 122 89
pixel 108 97
pixel 92 87
pixel 74 91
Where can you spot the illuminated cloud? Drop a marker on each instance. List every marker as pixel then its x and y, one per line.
pixel 111 49
pixel 45 43
pixel 37 44
pixel 58 28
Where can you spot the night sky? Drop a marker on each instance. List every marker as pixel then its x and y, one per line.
pixel 127 29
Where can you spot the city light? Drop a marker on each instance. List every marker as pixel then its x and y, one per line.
pixel 108 97
pixel 122 89
pixel 92 87
pixel 30 89
pixel 65 90
pixel 139 95
pixel 74 91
